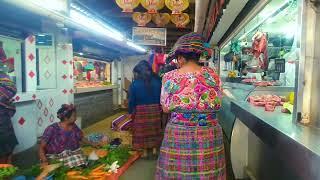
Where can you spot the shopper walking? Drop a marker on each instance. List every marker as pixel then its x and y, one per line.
pixel 8 139
pixel 192 147
pixel 144 106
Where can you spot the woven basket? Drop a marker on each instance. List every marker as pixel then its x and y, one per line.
pixel 125 136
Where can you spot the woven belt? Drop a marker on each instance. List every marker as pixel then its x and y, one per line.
pixel 194 119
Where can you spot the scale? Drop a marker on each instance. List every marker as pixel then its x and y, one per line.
pixel 280 65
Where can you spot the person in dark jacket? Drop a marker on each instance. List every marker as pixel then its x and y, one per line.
pixel 145 108
pixel 8 90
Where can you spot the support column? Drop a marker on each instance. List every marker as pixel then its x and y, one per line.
pixel 308 96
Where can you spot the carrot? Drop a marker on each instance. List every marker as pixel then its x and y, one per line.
pixel 5 165
pixel 78 177
pixel 95 177
pixel 98 173
pixel 73 173
pixel 98 168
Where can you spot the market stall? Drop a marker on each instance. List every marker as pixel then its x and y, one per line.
pixel 93 88
pixel 108 162
pixel 258 64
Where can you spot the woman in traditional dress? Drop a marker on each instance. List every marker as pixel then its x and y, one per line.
pixel 61 141
pixel 144 106
pixel 8 140
pixel 192 147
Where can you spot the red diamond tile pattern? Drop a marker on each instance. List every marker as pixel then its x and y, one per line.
pixel 65 91
pixel 34 97
pixel 21 121
pixel 31 39
pixel 45 112
pixel 47 59
pixel 51 102
pixel 31 74
pixel 64 77
pixel 40 121
pixel 64 62
pixel 51 119
pixel 31 57
pixel 71 76
pixel 47 74
pixel 39 105
pixel 17 98
pixel 71 91
pixel 70 62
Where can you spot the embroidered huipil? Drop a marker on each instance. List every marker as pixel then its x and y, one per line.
pixel 193 98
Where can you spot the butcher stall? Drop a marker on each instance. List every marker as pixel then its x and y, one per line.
pixel 259 56
pixel 94 90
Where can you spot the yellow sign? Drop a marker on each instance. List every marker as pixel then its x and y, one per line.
pixel 180 20
pixel 152 5
pixel 177 6
pixel 142 19
pixel 127 5
pixel 161 19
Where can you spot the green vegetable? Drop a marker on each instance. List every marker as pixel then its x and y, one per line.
pixel 7 172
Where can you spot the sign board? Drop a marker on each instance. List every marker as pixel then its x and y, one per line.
pixel 149 36
pixel 44 40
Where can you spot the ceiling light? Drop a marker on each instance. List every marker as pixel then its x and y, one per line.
pixel 52 5
pixel 95 25
pixel 81 54
pixel 131 44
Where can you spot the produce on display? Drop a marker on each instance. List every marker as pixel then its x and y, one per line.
pixel 7 170
pixel 269 102
pixel 108 162
pixel 232 74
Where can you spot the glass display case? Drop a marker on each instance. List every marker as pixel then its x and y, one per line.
pixel 10 57
pixel 91 73
pixel 264 54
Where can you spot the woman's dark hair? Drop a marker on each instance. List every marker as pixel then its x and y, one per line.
pixel 65 111
pixel 190 56
pixel 143 71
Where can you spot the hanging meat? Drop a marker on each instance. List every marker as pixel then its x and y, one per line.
pixel 260 49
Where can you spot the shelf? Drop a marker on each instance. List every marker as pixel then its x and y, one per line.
pixel 79 90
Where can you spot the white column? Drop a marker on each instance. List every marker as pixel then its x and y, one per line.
pixel 308 96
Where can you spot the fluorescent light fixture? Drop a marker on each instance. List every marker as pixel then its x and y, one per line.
pixel 266 17
pixel 131 44
pixel 81 54
pixel 56 5
pixel 95 25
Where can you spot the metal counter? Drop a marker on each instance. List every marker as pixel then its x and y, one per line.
pixel 268 144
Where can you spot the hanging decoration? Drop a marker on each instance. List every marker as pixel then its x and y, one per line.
pixel 142 19
pixel 152 5
pixel 180 20
pixel 177 6
pixel 161 19
pixel 127 6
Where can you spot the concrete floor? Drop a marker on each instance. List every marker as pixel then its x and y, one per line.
pixel 143 169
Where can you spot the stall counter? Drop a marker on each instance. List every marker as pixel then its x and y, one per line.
pixel 94 103
pixel 268 145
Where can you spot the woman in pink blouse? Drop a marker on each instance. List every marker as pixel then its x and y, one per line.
pixel 192 147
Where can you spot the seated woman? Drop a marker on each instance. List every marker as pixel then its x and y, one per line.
pixel 61 141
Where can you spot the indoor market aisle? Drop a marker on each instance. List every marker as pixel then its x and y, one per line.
pixel 143 169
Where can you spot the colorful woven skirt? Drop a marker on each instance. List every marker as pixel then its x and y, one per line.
pixel 147 127
pixel 192 150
